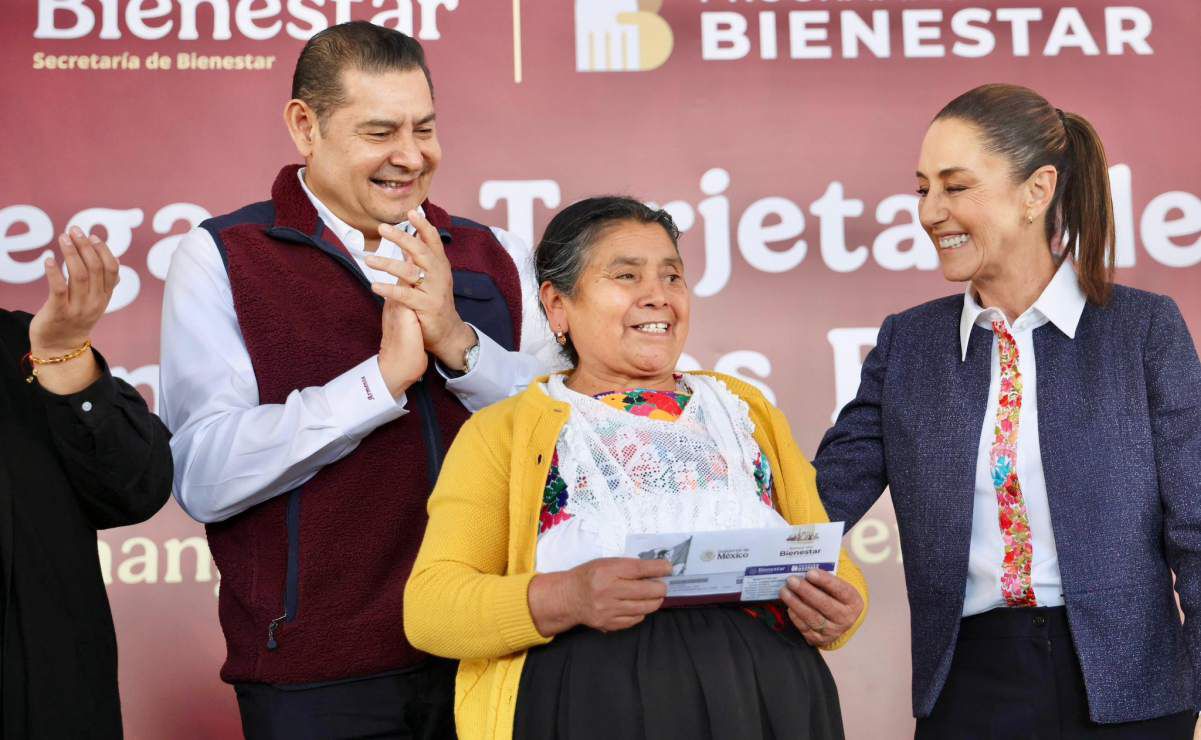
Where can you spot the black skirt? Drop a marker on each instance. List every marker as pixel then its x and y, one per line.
pixel 706 672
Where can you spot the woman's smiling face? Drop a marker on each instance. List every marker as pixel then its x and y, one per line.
pixel 628 314
pixel 970 205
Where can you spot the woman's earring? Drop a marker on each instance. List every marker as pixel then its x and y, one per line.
pixel 1029 218
pixel 561 338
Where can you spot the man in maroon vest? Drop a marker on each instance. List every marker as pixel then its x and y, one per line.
pixel 319 352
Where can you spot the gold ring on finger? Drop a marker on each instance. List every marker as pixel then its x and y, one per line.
pixel 420 279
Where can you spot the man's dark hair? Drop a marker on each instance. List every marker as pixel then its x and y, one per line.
pixel 358 45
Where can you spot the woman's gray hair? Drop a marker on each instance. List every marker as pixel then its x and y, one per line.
pixel 563 252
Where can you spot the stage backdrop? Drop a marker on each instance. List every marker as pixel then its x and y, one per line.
pixel 782 134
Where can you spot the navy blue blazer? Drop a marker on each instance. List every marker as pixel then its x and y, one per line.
pixel 1119 424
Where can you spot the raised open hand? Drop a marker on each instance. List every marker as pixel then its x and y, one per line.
pixel 74 304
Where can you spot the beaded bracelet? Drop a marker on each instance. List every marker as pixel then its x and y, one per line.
pixel 33 361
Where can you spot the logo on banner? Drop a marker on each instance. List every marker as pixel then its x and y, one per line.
pixel 620 36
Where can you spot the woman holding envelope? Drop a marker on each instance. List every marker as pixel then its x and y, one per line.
pixel 520 575
pixel 1040 433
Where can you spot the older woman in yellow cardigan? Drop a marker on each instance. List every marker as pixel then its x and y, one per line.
pixel 520 575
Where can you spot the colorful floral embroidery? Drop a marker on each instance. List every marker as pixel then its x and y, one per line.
pixel 554 498
pixel 662 405
pixel 1013 519
pixel 763 478
pixel 652 404
pixel 772 614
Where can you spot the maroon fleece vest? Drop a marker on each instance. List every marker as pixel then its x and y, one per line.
pixel 312 581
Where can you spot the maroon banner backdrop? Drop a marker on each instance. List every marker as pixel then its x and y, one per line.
pixel 782 134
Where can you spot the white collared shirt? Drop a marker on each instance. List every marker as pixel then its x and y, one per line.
pixel 230 451
pixel 1061 304
pixel 353 239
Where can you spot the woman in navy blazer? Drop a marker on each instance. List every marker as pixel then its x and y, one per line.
pixel 1041 438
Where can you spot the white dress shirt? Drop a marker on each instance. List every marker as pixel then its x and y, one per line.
pixel 1061 304
pixel 230 451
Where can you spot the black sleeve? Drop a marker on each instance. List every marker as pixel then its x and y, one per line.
pixel 114 451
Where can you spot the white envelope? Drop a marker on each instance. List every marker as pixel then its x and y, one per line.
pixel 738 564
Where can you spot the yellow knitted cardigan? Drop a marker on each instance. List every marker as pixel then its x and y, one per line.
pixel 466 597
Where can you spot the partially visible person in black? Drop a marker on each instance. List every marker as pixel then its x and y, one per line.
pixel 79 451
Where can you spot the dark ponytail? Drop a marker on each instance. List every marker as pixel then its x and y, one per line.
pixel 1086 209
pixel 1020 125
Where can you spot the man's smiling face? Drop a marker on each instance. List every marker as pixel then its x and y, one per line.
pixel 372 158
